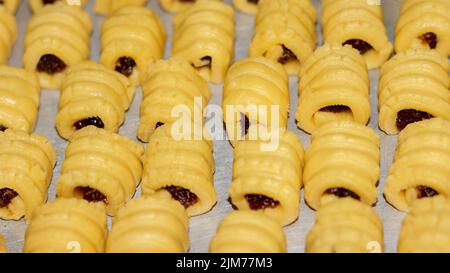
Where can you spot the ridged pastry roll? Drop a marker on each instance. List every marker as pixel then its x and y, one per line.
pixel 36 5
pixel 175 6
pixel 358 23
pixel 413 86
pixel 343 160
pixel 346 226
pixel 151 224
pixel 267 179
pixel 107 7
pixel 26 168
pixel 2 245
pixel 56 37
pixel 10 5
pixel 248 232
pixel 183 165
pixel 132 38
pixel 102 167
pixel 246 6
pixel 92 94
pixel 426 228
pixel 424 24
pixel 334 85
pixel 421 166
pixel 8 34
pixel 67 225
pixel 170 84
pixel 204 36
pixel 255 81
pixel 285 32
pixel 19 103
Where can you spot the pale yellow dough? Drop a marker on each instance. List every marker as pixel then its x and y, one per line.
pixel 8 34
pixel 418 80
pixel 151 224
pixel 175 6
pixel 67 225
pixel 422 159
pixel 246 6
pixel 248 232
pixel 107 7
pixel 204 36
pixel 59 30
pixel 273 173
pixel 170 85
pixel 346 226
pixel 103 161
pixel 334 75
pixel 343 154
pixel 2 245
pixel 26 167
pixel 10 5
pixel 36 5
pixel 134 32
pixel 284 23
pixel 93 90
pixel 344 20
pixel 181 159
pixel 253 86
pixel 19 98
pixel 419 17
pixel 426 228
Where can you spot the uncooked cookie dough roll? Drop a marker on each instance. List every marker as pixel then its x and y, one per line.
pixel 413 86
pixel 183 165
pixel 204 36
pixel 107 7
pixel 56 37
pixel 170 84
pixel 92 94
pixel 253 87
pixel 285 32
pixel 20 93
pixel 248 232
pixel 334 85
pixel 8 34
pixel 346 226
pixel 151 224
pixel 358 23
pixel 424 24
pixel 10 5
pixel 268 179
pixel 2 245
pixel 67 225
pixel 422 164
pixel 342 161
pixel 101 167
pixel 246 6
pixel 132 38
pixel 36 5
pixel 26 166
pixel 426 228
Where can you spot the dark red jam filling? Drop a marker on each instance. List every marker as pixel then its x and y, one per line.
pixel 182 195
pixel 6 195
pixel 424 191
pixel 91 195
pixel 207 60
pixel 342 193
pixel 407 116
pixel 47 2
pixel 335 109
pixel 287 56
pixel 258 201
pixel 360 45
pixel 1 2
pixel 253 1
pixel 95 121
pixel 245 124
pixel 125 66
pixel 429 38
pixel 3 128
pixel 50 64
pixel 159 124
pixel 187 1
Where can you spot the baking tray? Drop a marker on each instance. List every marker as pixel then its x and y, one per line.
pixel 202 228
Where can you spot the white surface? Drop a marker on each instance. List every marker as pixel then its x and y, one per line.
pixel 203 227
